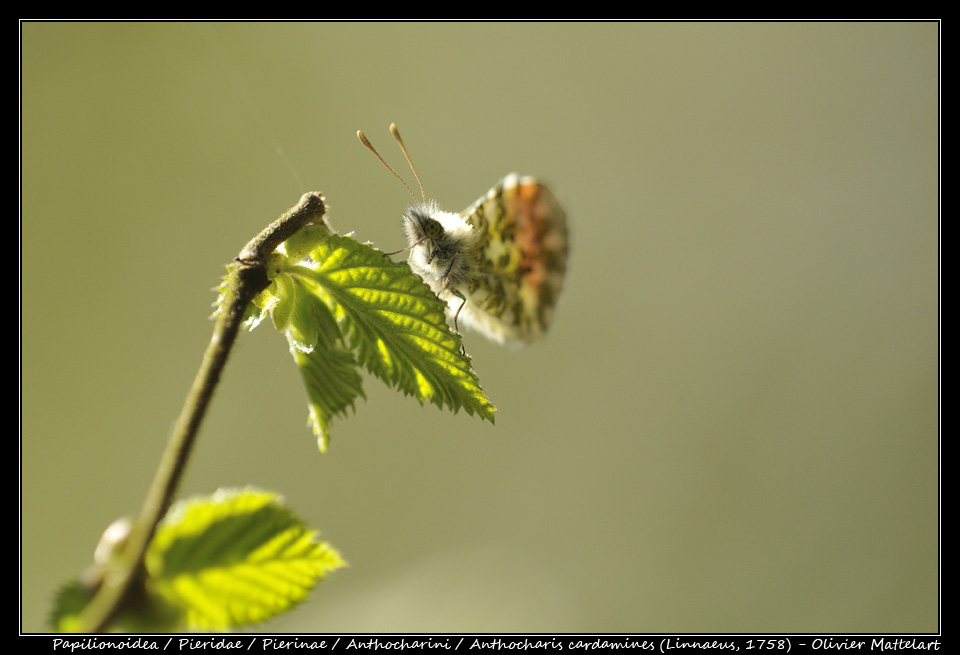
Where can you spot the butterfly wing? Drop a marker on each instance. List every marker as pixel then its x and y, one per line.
pixel 521 259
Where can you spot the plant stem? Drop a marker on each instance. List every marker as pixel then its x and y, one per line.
pixel 247 278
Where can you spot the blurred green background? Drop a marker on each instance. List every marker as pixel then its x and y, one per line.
pixel 733 425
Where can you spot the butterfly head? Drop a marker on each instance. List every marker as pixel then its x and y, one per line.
pixel 420 225
pixel 440 242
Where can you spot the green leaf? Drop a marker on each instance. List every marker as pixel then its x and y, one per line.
pixel 235 559
pixel 333 384
pixel 328 368
pixel 344 305
pixel 69 601
pixel 394 323
pixel 304 240
pixel 141 612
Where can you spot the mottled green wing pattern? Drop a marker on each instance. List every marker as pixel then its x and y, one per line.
pixel 522 238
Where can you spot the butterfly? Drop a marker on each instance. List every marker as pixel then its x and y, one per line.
pixel 499 264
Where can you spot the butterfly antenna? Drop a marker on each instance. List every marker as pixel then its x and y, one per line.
pixel 410 247
pixel 396 135
pixel 365 141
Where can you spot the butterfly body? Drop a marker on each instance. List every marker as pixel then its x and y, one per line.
pixel 499 265
pixel 443 246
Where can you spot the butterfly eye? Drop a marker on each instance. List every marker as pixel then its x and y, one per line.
pixel 432 229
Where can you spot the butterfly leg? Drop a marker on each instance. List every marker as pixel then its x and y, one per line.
pixel 455 293
pixel 463 301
